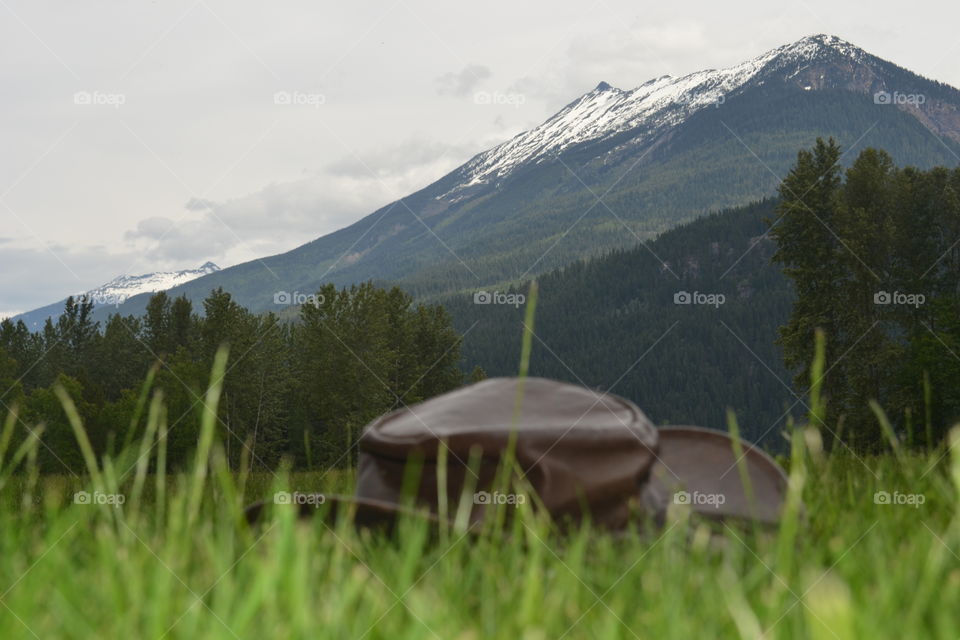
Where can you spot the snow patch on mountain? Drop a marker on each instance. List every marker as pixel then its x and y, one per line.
pixel 653 106
pixel 123 287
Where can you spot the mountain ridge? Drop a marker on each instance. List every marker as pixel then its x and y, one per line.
pixel 670 98
pixel 613 168
pixel 117 291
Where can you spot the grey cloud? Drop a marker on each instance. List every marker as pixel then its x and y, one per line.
pixel 199 204
pixel 463 82
pixel 284 215
pixel 155 227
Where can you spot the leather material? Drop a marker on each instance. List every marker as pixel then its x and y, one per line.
pixel 580 450
pixel 583 453
pixel 699 468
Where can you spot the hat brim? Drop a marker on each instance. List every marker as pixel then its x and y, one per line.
pixel 700 468
pixel 693 466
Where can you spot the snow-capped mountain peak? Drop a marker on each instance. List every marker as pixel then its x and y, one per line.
pixel 811 46
pixel 118 290
pixel 658 103
pixel 123 287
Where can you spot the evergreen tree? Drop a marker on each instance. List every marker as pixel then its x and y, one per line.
pixel 810 251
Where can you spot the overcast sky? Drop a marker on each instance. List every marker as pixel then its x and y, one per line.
pixel 138 137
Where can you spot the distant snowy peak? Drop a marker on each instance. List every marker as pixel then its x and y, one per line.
pixel 654 105
pixel 812 47
pixel 121 288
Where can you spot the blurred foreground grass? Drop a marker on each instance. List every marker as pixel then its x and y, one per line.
pixel 874 553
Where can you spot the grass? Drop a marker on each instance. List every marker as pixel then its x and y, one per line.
pixel 177 560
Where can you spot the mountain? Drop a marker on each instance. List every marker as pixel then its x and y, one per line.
pixel 116 292
pixel 653 107
pixel 684 326
pixel 615 167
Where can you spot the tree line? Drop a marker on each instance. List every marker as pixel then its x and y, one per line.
pixel 869 254
pixel 301 390
pixel 874 255
pixel 613 324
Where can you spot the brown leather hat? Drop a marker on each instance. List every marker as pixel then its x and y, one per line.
pixel 700 468
pixel 583 453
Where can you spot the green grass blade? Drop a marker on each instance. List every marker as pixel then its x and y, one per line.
pixel 208 422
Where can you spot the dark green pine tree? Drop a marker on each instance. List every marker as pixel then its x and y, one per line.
pixel 156 327
pixel 121 358
pixel 863 350
pixel 810 251
pixel 181 323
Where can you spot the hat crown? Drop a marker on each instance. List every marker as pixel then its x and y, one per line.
pixel 575 446
pixel 487 412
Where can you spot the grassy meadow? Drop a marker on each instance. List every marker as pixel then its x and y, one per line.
pixel 868 548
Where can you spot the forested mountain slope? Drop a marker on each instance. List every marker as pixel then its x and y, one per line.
pixel 664 153
pixel 613 324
